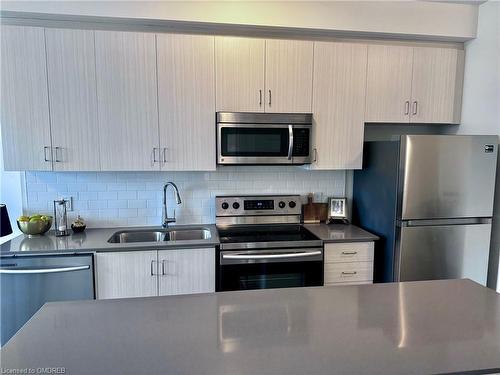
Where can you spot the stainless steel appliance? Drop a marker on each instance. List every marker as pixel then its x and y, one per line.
pixel 264 138
pixel 28 282
pixel 263 245
pixel 430 199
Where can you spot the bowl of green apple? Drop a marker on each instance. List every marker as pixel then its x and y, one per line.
pixel 34 225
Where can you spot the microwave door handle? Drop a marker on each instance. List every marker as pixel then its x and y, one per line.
pixel 290 142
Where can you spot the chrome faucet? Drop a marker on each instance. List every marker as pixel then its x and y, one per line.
pixel 165 219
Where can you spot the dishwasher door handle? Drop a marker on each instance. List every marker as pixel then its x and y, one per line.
pixel 35 270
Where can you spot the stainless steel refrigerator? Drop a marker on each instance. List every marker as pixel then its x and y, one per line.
pixel 430 199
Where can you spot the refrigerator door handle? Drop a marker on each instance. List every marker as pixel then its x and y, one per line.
pixel 441 222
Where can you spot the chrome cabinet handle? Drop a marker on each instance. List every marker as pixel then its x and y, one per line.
pixel 45 148
pixel 349 252
pixel 349 273
pixel 415 107
pixel 290 142
pixel 165 154
pixel 30 270
pixel 153 156
pixel 407 107
pixel 269 98
pixel 153 273
pixel 57 160
pixel 260 97
pixel 315 150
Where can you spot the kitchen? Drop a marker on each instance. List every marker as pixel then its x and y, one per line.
pixel 200 150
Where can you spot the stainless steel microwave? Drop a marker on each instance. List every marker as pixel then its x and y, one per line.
pixel 264 138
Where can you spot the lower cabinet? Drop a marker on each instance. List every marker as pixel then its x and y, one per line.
pixel 146 273
pixel 348 263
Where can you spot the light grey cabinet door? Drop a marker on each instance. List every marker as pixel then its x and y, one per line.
pixel 437 85
pixel 388 87
pixel 186 99
pixel 72 99
pixel 339 94
pixel 126 274
pixel 127 100
pixel 239 74
pixel 186 271
pixel 289 71
pixel 24 107
pixel 444 252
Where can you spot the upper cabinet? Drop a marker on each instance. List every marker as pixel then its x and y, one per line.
pixel 186 101
pixel 257 75
pixel 388 87
pixel 127 100
pixel 414 84
pixel 72 99
pixel 239 64
pixel 289 70
pixel 338 105
pixel 24 109
pixel 437 85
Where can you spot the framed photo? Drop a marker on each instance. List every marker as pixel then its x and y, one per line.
pixel 337 208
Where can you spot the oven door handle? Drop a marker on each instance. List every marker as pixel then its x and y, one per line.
pixel 290 141
pixel 271 256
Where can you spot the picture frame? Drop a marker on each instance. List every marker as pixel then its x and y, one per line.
pixel 337 208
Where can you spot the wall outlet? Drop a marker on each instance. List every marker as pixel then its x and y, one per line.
pixel 69 205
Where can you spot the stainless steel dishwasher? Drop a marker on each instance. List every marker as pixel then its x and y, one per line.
pixel 27 282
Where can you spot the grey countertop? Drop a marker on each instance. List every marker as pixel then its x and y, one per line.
pixel 340 233
pixel 424 327
pixel 94 239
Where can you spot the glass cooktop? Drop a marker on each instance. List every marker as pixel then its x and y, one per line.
pixel 265 233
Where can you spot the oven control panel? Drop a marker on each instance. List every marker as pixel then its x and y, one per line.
pixel 268 205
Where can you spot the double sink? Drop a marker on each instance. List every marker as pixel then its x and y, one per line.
pixel 161 235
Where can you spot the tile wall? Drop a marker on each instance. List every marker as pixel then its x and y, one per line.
pixel 110 199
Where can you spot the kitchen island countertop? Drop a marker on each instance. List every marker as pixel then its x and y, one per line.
pixel 424 327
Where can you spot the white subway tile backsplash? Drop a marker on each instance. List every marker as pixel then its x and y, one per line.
pixel 135 198
pixel 107 195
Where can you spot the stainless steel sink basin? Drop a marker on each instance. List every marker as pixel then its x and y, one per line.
pixel 146 235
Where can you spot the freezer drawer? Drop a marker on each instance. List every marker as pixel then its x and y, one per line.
pixel 444 252
pixel 447 176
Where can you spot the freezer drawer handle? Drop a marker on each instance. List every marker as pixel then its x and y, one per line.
pixel 28 270
pixel 270 256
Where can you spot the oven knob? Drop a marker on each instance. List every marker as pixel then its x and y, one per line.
pixel 225 205
pixel 292 204
pixel 282 204
pixel 236 205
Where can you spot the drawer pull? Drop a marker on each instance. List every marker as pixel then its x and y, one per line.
pixel 349 273
pixel 349 252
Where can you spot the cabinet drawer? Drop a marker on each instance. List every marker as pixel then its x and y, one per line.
pixel 349 252
pixel 348 272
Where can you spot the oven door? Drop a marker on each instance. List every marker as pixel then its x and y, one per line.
pixel 263 144
pixel 270 268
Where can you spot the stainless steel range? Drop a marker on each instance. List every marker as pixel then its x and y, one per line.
pixel 263 244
